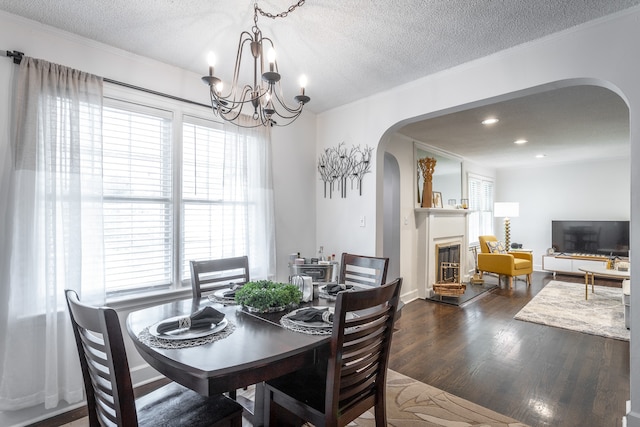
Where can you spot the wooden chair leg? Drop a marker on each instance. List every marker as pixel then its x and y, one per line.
pixel 510 282
pixel 380 411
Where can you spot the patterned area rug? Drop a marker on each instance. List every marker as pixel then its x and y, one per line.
pixel 413 403
pixel 562 305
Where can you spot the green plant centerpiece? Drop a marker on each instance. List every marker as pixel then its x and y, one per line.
pixel 264 296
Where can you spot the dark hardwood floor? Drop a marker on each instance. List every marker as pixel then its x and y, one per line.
pixel 539 375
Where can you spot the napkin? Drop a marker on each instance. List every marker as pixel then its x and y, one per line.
pixel 200 319
pixel 231 293
pixel 312 315
pixel 335 288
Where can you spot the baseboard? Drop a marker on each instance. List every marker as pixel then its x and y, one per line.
pixel 409 296
pixel 144 374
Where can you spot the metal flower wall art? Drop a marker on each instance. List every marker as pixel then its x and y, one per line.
pixel 337 165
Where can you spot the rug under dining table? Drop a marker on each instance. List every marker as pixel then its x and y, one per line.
pixel 414 403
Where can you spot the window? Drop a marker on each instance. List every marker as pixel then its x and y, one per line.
pixel 481 205
pixel 174 190
pixel 214 215
pixel 138 196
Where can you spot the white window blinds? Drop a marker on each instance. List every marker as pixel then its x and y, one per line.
pixel 179 187
pixel 215 209
pixel 480 192
pixel 138 208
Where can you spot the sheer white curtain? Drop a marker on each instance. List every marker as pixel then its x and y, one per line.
pixel 52 196
pixel 248 181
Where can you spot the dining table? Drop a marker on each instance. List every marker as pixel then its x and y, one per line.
pixel 253 348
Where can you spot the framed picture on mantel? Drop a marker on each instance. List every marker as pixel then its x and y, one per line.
pixel 437 199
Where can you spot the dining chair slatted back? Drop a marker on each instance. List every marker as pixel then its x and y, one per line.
pixel 104 364
pixel 363 270
pixel 354 378
pixel 209 275
pixel 108 387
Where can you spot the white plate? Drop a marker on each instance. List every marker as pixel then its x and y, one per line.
pixel 220 294
pixel 316 324
pixel 325 295
pixel 186 333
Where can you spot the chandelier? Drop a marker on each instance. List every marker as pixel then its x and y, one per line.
pixel 263 100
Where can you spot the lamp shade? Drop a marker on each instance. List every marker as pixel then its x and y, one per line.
pixel 506 209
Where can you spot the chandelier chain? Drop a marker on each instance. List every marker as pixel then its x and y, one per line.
pixel 277 15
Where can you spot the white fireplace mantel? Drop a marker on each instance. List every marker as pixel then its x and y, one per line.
pixel 438 226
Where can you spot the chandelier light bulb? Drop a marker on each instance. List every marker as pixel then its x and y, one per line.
pixel 271 57
pixel 211 60
pixel 303 83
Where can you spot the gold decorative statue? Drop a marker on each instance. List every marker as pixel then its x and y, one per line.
pixel 427 165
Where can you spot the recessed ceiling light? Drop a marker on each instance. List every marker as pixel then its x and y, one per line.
pixel 540 156
pixel 520 141
pixel 490 121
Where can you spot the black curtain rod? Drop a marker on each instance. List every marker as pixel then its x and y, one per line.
pixel 17 59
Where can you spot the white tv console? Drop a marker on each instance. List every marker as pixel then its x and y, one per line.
pixel 570 264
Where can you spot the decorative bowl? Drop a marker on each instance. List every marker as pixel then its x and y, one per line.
pixel 265 296
pixel 264 310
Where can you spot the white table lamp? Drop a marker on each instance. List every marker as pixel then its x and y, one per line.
pixel 506 210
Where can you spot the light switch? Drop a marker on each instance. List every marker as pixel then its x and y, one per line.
pixel 362 221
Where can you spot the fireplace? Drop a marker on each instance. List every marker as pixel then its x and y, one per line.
pixel 442 238
pixel 447 263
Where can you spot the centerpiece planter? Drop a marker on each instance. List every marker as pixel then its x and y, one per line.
pixel 265 296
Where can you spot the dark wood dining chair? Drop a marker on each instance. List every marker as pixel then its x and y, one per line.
pixel 107 381
pixel 363 270
pixel 215 274
pixel 353 379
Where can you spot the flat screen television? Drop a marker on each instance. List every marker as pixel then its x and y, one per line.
pixel 591 237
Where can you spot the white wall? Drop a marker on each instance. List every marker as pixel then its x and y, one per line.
pixel 598 190
pixel 595 53
pixel 294 172
pixel 338 224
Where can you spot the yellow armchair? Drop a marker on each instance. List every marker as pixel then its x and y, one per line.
pixel 510 264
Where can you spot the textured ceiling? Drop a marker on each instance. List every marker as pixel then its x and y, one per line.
pixel 347 49
pixel 573 124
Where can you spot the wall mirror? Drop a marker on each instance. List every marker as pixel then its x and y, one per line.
pixel 447 175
